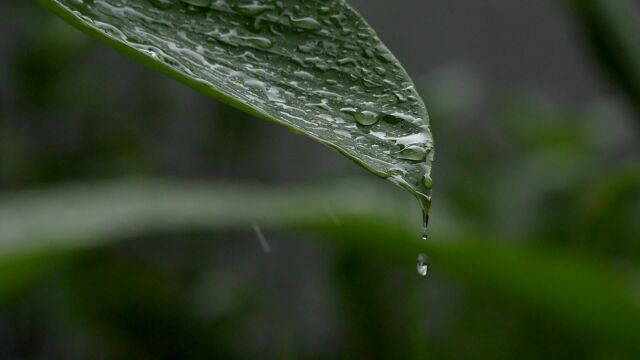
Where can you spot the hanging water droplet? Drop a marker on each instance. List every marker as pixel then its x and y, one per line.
pixel 423 264
pixel 425 226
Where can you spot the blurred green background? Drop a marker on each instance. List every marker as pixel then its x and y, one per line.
pixel 134 212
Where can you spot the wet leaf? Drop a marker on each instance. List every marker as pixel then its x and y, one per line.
pixel 313 66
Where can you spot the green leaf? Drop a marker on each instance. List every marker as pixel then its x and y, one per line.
pixel 313 66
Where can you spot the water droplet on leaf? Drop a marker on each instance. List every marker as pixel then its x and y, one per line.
pixel 412 152
pixel 366 118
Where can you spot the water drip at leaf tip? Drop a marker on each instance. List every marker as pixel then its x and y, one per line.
pixel 423 263
pixel 425 226
pixel 237 46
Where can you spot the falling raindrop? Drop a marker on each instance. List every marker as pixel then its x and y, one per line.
pixel 423 264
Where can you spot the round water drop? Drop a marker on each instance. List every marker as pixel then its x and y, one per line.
pixel 426 181
pixel 366 117
pixel 198 3
pixel 163 4
pixel 412 152
pixel 423 264
pixel 307 23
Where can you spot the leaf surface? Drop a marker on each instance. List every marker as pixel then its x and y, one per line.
pixel 314 66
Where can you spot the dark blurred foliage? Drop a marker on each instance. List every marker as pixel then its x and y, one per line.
pixel 539 149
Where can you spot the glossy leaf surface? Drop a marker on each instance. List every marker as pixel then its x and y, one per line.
pixel 313 66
